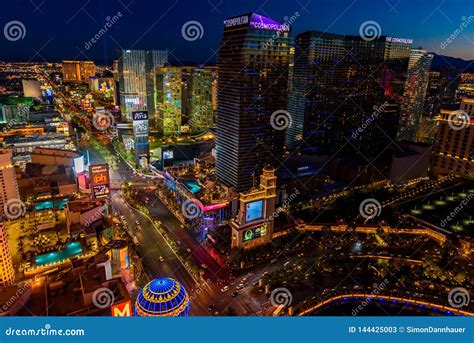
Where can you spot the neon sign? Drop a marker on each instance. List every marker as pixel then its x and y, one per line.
pixel 399 40
pixel 122 310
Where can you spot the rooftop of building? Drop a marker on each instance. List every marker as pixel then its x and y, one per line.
pixel 83 206
pixel 16 100
pixel 64 293
pixel 33 138
pixel 55 152
pixel 200 182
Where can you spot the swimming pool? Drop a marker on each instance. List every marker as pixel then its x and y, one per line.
pixel 193 186
pixel 72 249
pixel 44 205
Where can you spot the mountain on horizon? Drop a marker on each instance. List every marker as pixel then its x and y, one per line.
pixel 441 61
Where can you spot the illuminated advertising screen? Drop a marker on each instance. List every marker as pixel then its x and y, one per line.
pixel 140 128
pixel 167 154
pixel 100 191
pixel 79 165
pixel 250 234
pixel 253 210
pixel 99 180
pixel 140 123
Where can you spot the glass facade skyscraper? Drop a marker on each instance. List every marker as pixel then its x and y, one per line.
pixel 253 64
pixel 169 99
pixel 415 92
pixel 184 98
pixel 136 75
pixel 201 114
pixel 346 93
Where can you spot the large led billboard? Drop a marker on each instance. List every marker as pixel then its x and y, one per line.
pixel 250 234
pixel 99 180
pixel 253 210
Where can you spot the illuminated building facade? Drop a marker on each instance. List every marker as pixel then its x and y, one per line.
pixel 184 100
pixel 163 297
pixel 10 204
pixel 466 86
pixel 7 273
pixel 169 99
pixel 252 84
pixel 212 204
pixel 136 77
pixel 31 88
pixel 78 71
pixel 341 83
pixel 254 224
pixel 453 151
pixel 201 113
pixel 419 66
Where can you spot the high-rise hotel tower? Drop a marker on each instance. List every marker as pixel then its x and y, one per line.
pixel 419 67
pixel 136 75
pixel 253 64
pixel 9 203
pixel 346 93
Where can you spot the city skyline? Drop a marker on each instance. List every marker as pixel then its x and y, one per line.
pixel 314 170
pixel 429 23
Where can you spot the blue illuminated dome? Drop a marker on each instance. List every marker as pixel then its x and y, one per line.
pixel 161 298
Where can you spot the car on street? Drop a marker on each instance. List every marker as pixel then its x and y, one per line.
pixel 240 286
pixel 224 289
pixel 234 294
pixel 161 259
pixel 204 266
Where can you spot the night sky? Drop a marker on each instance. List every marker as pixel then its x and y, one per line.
pixel 57 30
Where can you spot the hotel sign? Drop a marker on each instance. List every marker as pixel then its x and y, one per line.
pixel 399 40
pixel 256 21
pixel 243 20
pixel 99 180
pixel 140 123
